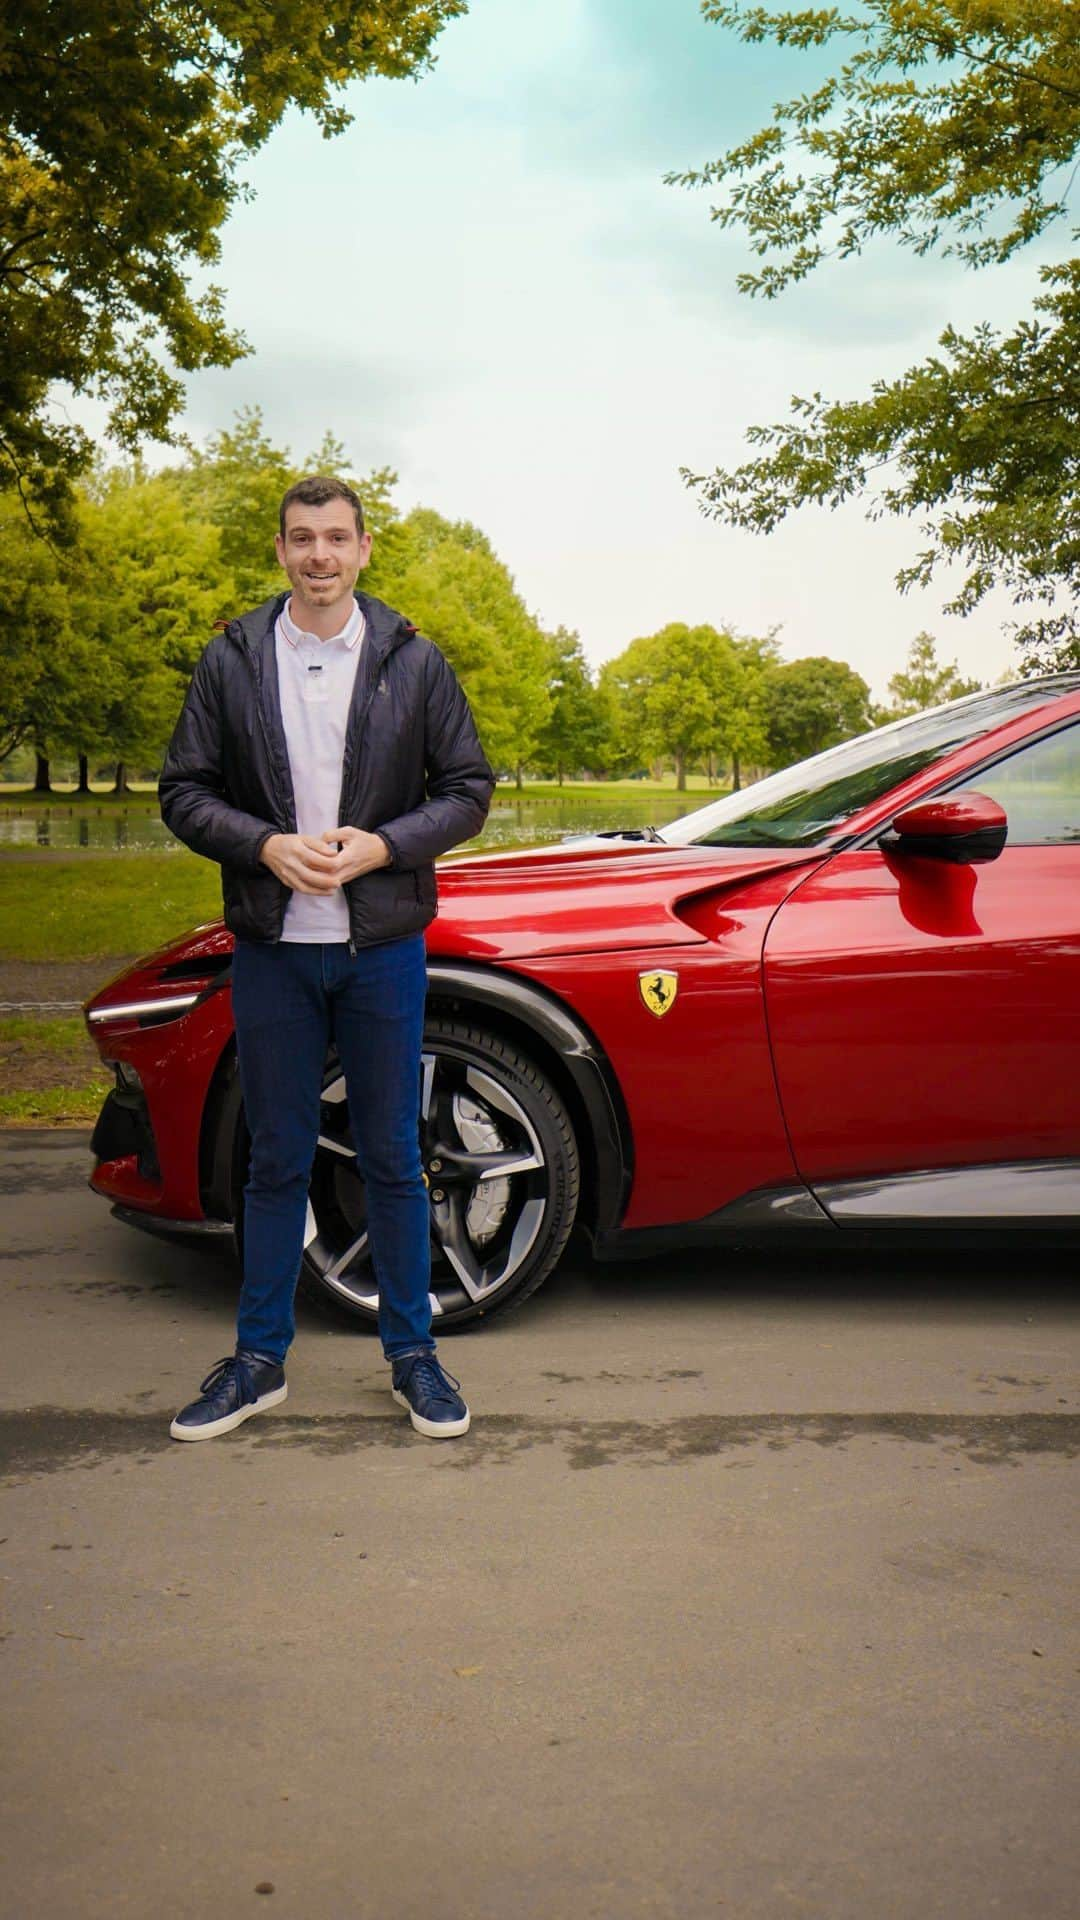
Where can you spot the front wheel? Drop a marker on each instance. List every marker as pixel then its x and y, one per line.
pixel 501 1164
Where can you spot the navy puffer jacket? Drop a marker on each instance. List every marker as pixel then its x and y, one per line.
pixel 413 771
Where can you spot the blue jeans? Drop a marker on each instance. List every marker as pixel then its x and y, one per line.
pixel 289 1002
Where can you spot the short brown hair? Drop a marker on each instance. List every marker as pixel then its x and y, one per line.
pixel 317 491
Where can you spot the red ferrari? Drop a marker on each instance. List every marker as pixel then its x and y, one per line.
pixel 843 1002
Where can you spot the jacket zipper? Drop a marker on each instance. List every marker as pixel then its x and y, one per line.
pixel 352 735
pixel 282 810
pixel 355 722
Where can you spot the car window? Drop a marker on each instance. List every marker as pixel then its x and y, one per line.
pixel 1039 788
pixel 805 804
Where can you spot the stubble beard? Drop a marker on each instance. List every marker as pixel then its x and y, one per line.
pixel 323 594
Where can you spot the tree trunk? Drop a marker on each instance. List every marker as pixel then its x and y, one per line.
pixel 121 778
pixel 42 782
pixel 519 778
pixel 736 781
pixel 710 770
pixel 558 770
pixel 84 774
pixel 680 772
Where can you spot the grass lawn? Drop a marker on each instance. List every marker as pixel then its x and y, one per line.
pixel 54 1106
pixel 55 907
pixel 50 1073
pixel 82 908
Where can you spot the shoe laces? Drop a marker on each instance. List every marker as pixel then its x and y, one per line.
pixel 432 1378
pixel 223 1372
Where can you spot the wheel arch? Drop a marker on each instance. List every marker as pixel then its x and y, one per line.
pixel 217 1137
pixel 563 1046
pixel 520 1012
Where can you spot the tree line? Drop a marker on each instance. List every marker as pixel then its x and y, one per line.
pixel 100 636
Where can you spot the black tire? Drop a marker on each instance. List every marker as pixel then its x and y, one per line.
pixel 495 1236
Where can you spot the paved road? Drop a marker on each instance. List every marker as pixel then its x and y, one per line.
pixel 749 1595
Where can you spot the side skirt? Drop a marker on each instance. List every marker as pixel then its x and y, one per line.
pixel 770 1213
pixel 1041 1194
pixel 1029 1202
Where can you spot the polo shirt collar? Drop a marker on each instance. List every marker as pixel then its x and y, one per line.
pixel 350 633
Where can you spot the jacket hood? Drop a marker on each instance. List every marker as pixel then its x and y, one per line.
pixel 386 629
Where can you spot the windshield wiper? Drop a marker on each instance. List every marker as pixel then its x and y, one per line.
pixel 632 833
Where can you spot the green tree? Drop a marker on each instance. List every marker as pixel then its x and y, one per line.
pixel 742 727
pixel 235 483
pixel 393 541
pixel 812 704
pixel 36 642
pixel 619 753
pixel 924 682
pixel 950 126
pixel 453 586
pixel 125 128
pixel 146 585
pixel 573 734
pixel 669 690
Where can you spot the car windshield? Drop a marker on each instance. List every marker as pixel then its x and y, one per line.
pixel 807 803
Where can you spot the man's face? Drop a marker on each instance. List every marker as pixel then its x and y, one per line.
pixel 322 553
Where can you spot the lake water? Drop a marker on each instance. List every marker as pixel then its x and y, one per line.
pixel 511 822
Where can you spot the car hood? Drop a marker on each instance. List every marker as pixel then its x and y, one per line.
pixel 589 896
pixel 582 897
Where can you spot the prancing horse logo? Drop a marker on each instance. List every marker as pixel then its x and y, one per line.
pixel 658 991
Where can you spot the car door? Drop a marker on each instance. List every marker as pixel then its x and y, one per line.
pixel 925 1016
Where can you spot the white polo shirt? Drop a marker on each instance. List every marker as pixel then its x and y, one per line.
pixel 316 678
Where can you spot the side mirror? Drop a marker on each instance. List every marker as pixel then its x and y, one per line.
pixel 966 828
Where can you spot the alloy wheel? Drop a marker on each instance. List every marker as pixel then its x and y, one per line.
pixel 502 1193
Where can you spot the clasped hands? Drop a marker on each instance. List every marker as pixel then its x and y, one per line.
pixel 308 865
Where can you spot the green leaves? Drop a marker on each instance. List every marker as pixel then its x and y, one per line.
pixel 573 738
pixel 978 443
pixel 813 704
pixel 945 127
pixel 124 128
pixel 690 693
pixel 446 577
pixel 949 126
pixel 924 681
pixel 34 628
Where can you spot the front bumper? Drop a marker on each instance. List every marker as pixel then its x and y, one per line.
pixel 124 1131
pixel 147 1143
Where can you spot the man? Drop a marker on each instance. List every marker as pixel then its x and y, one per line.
pixel 325 754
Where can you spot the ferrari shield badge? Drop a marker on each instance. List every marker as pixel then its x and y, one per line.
pixel 658 991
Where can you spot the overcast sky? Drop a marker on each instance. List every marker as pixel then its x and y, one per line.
pixel 485 284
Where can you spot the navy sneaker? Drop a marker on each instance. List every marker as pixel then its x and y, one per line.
pixel 240 1385
pixel 435 1405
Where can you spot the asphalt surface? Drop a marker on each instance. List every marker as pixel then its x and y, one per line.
pixel 751 1593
